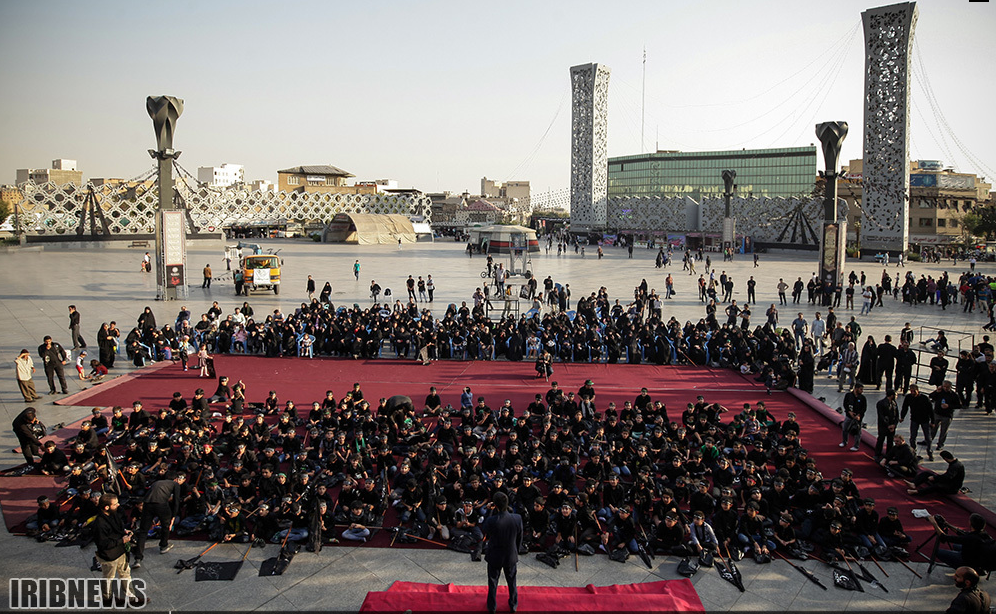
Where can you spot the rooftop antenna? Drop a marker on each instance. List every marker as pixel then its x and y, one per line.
pixel 643 95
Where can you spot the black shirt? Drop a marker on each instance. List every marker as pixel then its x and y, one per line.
pixel 109 532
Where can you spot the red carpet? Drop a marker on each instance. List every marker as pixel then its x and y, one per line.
pixel 19 496
pixel 663 596
pixel 304 381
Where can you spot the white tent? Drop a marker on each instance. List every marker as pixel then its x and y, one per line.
pixel 369 229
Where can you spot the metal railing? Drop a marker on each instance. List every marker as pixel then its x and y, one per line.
pixel 958 340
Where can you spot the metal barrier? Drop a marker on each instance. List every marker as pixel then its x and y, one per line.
pixel 958 340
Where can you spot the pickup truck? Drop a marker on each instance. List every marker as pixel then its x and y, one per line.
pixel 261 272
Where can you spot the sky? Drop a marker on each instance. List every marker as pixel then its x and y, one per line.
pixel 438 94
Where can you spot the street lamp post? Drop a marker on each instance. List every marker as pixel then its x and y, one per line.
pixel 17 223
pixel 834 243
pixel 729 222
pixel 170 225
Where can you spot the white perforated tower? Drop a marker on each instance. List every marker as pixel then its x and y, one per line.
pixel 589 154
pixel 886 165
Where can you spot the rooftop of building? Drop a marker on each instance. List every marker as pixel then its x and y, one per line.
pixel 317 169
pixel 732 153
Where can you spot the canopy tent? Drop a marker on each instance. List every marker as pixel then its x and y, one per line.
pixel 423 232
pixel 504 239
pixel 369 229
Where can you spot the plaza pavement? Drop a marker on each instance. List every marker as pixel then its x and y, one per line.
pixel 38 283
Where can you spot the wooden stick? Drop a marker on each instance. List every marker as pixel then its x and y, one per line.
pixel 576 548
pixel 286 535
pixel 903 563
pixel 874 560
pixel 426 540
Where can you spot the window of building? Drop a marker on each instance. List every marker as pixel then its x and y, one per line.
pixel 941 223
pixel 953 223
pixel 926 222
pixel 293 180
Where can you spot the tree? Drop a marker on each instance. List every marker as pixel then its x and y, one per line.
pixel 971 223
pixel 981 222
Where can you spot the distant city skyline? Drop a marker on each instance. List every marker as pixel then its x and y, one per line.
pixel 437 95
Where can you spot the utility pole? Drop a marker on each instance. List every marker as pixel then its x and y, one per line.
pixel 643 102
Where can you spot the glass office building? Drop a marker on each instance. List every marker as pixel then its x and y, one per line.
pixel 789 171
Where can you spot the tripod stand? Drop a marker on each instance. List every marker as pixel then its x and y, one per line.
pixel 932 559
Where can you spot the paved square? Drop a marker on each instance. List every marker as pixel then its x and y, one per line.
pixel 105 283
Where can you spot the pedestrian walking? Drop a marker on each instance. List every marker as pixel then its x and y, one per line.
pixel 53 358
pixel 311 287
pixel 74 328
pixel 356 270
pixel 207 276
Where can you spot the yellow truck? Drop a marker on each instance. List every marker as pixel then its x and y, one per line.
pixel 259 272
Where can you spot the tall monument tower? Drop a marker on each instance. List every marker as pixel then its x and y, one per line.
pixel 886 164
pixel 589 155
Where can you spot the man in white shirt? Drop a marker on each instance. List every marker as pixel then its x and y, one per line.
pixel 818 328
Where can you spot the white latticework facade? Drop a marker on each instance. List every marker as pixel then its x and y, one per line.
pixel 654 213
pixel 791 222
pixel 886 175
pixel 589 138
pixel 50 209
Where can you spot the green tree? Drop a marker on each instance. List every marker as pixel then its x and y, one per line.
pixel 5 210
pixel 981 222
pixel 971 223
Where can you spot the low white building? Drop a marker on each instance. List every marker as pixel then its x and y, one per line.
pixel 262 185
pixel 221 176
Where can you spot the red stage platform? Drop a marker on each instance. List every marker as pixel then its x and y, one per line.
pixel 663 596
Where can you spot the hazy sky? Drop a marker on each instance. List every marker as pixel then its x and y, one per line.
pixel 438 94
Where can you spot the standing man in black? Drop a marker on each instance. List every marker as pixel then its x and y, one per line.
pixel 53 357
pixel 503 531
pixel 905 359
pixel 163 502
pixel 886 363
pixel 74 328
pixel 855 406
pixel 110 535
pixel 24 429
pixel 921 412
pixel 888 418
pixel 946 401
pixel 971 599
